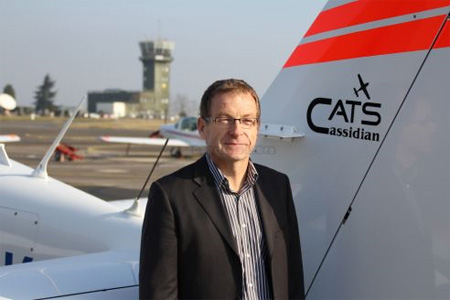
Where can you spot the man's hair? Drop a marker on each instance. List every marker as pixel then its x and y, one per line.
pixel 226 86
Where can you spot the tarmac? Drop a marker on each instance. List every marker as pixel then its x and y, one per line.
pixel 108 171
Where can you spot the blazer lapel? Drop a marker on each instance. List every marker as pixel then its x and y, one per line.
pixel 269 220
pixel 209 199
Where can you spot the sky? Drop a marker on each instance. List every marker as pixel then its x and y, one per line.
pixel 93 45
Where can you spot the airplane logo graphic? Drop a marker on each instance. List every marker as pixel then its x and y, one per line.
pixel 363 87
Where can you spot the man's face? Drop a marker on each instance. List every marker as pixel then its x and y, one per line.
pixel 230 143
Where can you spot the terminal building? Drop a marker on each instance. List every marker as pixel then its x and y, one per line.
pixel 153 100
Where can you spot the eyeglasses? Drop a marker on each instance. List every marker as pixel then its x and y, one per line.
pixel 226 122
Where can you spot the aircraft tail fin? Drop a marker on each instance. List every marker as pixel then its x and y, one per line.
pixel 379 157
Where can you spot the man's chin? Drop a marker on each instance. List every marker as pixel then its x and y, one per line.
pixel 237 155
pixel 231 155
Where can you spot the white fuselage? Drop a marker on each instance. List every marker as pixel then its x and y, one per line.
pixel 177 132
pixel 61 240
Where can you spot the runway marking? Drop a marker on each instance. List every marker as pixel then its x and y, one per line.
pixel 116 171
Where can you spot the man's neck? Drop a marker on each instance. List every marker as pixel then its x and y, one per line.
pixel 235 172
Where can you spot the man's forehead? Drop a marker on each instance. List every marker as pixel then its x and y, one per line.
pixel 219 99
pixel 233 93
pixel 236 104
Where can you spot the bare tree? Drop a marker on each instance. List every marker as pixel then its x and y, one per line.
pixel 180 105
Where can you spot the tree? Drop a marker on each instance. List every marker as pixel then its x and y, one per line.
pixel 179 107
pixel 44 96
pixel 10 91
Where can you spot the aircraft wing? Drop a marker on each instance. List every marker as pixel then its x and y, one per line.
pixel 144 141
pixel 103 275
pixel 9 138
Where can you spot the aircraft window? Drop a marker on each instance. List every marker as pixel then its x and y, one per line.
pixel 189 124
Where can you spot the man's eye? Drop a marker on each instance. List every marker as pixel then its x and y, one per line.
pixel 247 121
pixel 224 120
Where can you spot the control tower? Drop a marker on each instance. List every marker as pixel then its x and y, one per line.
pixel 156 57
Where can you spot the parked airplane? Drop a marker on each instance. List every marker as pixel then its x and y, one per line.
pixel 180 134
pixel 369 177
pixel 58 241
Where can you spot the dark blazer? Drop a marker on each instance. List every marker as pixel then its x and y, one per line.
pixel 188 250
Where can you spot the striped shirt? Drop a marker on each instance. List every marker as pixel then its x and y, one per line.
pixel 246 227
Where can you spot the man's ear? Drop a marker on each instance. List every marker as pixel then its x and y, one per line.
pixel 201 126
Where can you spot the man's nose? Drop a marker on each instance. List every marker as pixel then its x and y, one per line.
pixel 236 127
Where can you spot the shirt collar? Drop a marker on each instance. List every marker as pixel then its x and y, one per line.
pixel 222 181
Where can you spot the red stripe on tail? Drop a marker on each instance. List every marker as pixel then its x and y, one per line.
pixel 364 11
pixel 444 39
pixel 379 41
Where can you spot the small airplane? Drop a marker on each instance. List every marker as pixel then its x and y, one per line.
pixel 180 134
pixel 369 180
pixel 363 87
pixel 184 134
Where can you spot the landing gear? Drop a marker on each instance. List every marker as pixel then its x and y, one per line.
pixel 175 152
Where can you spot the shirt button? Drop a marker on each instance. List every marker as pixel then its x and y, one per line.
pixel 244 225
pixel 247 255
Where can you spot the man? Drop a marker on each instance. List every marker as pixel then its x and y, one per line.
pixel 223 227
